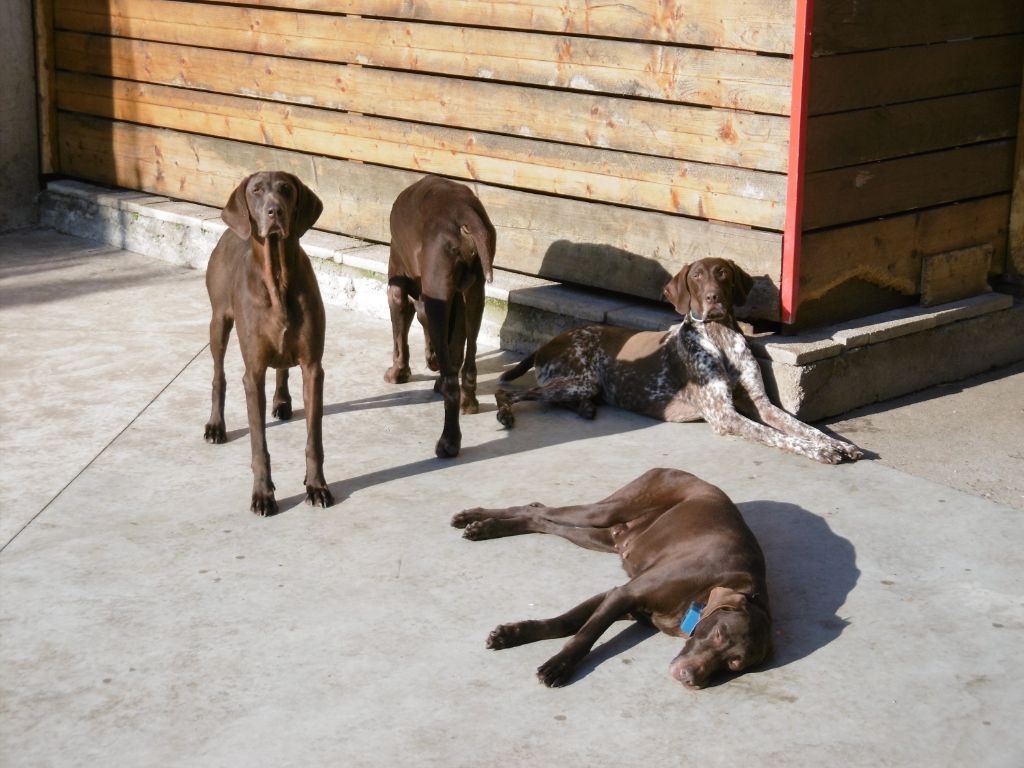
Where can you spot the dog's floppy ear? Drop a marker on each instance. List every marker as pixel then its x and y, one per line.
pixel 678 292
pixel 482 247
pixel 308 208
pixel 724 597
pixel 236 212
pixel 741 284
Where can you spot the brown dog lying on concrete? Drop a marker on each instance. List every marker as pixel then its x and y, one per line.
pixel 691 372
pixel 696 571
pixel 442 251
pixel 260 280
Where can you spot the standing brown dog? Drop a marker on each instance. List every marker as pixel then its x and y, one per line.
pixel 442 250
pixel 696 571
pixel 260 279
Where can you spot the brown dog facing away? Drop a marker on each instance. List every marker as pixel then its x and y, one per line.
pixel 442 250
pixel 696 571
pixel 701 369
pixel 261 281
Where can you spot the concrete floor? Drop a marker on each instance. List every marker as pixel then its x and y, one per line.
pixel 148 619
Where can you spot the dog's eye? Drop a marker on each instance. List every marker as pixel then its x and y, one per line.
pixel 286 189
pixel 258 189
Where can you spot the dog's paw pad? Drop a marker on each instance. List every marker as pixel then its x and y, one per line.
pixel 319 497
pixel 465 517
pixel 478 530
pixel 263 504
pixel 503 636
pixel 556 672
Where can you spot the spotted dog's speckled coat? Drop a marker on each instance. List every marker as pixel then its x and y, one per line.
pixel 701 369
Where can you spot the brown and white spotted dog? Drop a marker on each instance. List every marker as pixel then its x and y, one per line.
pixel 700 369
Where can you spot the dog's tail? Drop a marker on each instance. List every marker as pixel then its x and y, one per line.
pixel 521 367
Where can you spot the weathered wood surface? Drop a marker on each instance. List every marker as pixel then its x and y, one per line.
pixel 882 133
pixel 706 191
pixel 955 275
pixel 1015 255
pixel 892 76
pixel 589 243
pixel 718 78
pixel 678 131
pixel 888 252
pixel 852 25
pixel 757 25
pixel 866 191
pixel 45 84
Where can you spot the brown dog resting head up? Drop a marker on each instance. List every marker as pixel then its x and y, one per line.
pixel 700 369
pixel 709 290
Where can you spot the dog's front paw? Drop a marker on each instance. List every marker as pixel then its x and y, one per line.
pixel 587 409
pixel 557 671
pixel 263 503
pixel 467 516
pixel 825 453
pixel 506 636
pixel 504 415
pixel 319 496
pixel 479 530
pixel 396 375
pixel 215 433
pixel 448 448
pixel 469 404
pixel 849 450
pixel 282 410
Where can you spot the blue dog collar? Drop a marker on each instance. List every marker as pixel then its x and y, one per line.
pixel 692 617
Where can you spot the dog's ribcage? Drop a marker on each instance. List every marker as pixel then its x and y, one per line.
pixel 699 356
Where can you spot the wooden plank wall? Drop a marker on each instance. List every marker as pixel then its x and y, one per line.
pixel 610 142
pixel 910 140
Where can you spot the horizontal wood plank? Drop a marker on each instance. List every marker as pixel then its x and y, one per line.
pixel 860 25
pixel 686 133
pixel 588 243
pixel 849 138
pixel 757 25
pixel 876 189
pixel 718 78
pixel 732 195
pixel 888 252
pixel 859 80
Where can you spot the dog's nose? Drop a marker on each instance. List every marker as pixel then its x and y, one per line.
pixel 273 211
pixel 712 297
pixel 688 674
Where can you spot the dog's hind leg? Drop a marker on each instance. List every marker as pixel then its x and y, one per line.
pixel 577 393
pixel 220 331
pixel 282 404
pixel 530 631
pixel 402 311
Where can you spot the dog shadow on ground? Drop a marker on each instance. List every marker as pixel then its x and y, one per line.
pixel 811 570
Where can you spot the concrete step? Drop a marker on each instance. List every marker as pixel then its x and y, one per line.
pixel 813 375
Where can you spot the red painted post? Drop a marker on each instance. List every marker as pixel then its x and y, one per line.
pixel 790 285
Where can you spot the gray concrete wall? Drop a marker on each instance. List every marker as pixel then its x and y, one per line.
pixel 19 154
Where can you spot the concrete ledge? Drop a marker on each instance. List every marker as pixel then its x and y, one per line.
pixel 521 311
pixel 815 375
